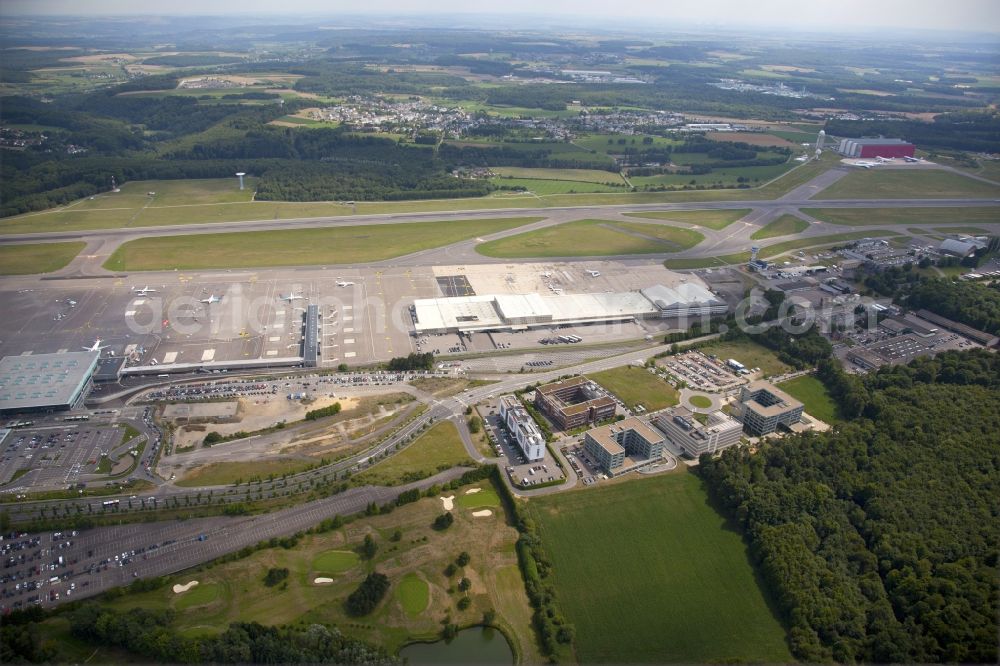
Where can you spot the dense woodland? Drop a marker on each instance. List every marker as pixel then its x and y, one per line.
pixel 879 541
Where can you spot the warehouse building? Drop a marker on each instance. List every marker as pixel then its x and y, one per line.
pixel 573 403
pixel 522 428
pixel 719 430
pixel 623 446
pixel 875 148
pixel 46 382
pixel 763 407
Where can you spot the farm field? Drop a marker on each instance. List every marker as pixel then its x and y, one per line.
pixel 298 247
pixel 751 138
pixel 649 573
pixel 813 394
pixel 37 257
pixel 637 386
pixel 750 354
pixel 859 217
pixel 583 238
pixel 713 219
pixel 783 226
pixel 436 450
pixel 904 184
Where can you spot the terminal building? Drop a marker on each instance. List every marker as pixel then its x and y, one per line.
pixel 519 312
pixel 46 382
pixel 875 148
pixel 574 402
pixel 623 446
pixel 522 428
pixel 763 407
pixel 682 428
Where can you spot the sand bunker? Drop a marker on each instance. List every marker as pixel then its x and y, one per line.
pixel 322 580
pixel 178 589
pixel 449 502
pixel 470 491
pixel 482 513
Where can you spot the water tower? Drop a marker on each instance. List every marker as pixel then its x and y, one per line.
pixel 240 176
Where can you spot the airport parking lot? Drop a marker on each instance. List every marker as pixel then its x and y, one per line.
pixel 56 456
pixel 521 472
pixel 701 372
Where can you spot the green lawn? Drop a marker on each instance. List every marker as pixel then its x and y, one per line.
pixel 335 562
pixel 783 226
pixel 648 572
pixel 700 401
pixel 906 184
pixel 438 448
pixel 581 175
pixel 223 474
pixel 582 238
pixel 637 386
pixel 199 595
pixel 713 219
pixel 544 187
pixel 720 176
pixel 861 217
pixel 486 497
pixel 975 231
pixel 750 354
pixel 813 394
pixel 298 247
pixel 37 257
pixel 413 594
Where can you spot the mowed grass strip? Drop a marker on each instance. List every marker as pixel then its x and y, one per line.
pixel 863 217
pixel 817 241
pixel 648 573
pixel 637 386
pixel 223 474
pixel 583 238
pixel 906 184
pixel 783 226
pixel 712 219
pixel 812 393
pixel 300 247
pixel 582 175
pixel 486 497
pixel 37 257
pixel 335 562
pixel 437 449
pixel 543 187
pixel 413 594
pixel 199 595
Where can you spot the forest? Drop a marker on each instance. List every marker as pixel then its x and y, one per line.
pixel 878 541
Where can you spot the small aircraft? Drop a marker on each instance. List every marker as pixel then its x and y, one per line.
pixel 145 290
pixel 592 273
pixel 212 299
pixel 341 283
pixel 866 165
pixel 96 346
pixel 883 160
pixel 292 297
pixel 911 159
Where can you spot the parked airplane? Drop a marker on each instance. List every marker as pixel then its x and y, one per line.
pixel 212 299
pixel 912 159
pixel 292 297
pixel 883 160
pixel 593 273
pixel 145 290
pixel 341 283
pixel 96 346
pixel 866 165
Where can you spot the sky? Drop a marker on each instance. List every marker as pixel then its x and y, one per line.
pixel 972 15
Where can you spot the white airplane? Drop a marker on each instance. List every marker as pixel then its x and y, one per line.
pixel 292 297
pixel 145 290
pixel 593 273
pixel 96 346
pixel 342 283
pixel 883 160
pixel 912 159
pixel 866 165
pixel 547 274
pixel 212 299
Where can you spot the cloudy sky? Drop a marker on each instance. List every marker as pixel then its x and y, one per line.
pixel 978 15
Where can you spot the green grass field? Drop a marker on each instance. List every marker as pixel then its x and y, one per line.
pixel 486 497
pixel 199 595
pixel 713 219
pixel 413 594
pixel 583 238
pixel 975 231
pixel 722 176
pixel 700 401
pixel 439 448
pixel 813 394
pixel 648 572
pixel 862 217
pixel 750 354
pixel 637 386
pixel 37 257
pixel 783 226
pixel 579 175
pixel 818 241
pixel 298 247
pixel 905 184
pixel 335 562
pixel 543 187
pixel 223 474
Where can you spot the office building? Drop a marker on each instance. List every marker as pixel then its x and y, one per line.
pixel 697 434
pixel 623 446
pixel 522 428
pixel 573 403
pixel 763 407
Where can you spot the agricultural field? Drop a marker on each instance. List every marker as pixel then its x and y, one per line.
pixel 583 238
pixel 813 394
pixel 783 226
pixel 299 247
pixel 649 573
pixel 751 138
pixel 637 386
pixel 712 219
pixel 861 217
pixel 750 354
pixel 438 449
pixel 905 184
pixel 37 257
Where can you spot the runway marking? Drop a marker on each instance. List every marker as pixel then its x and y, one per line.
pixel 271 352
pixel 348 307
pixel 62 351
pixel 274 338
pixel 348 319
pixel 130 313
pixel 170 357
pixel 349 341
pixel 349 354
pixel 208 355
pixel 348 330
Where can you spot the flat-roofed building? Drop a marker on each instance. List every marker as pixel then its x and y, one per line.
pixel 574 402
pixel 763 407
pixel 622 446
pixel 522 428
pixel 46 382
pixel 684 429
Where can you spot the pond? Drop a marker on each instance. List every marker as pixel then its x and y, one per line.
pixel 476 645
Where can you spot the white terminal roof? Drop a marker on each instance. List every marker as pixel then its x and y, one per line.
pixel 683 294
pixel 39 381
